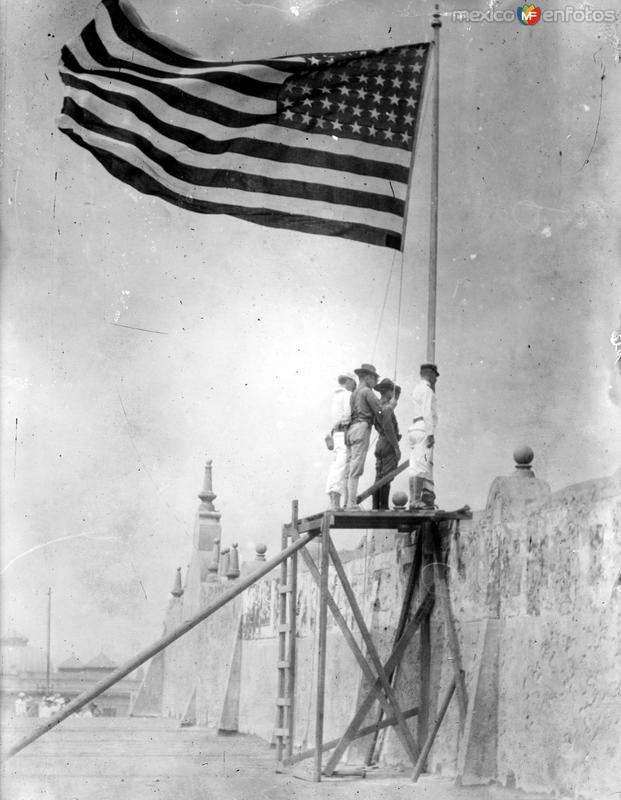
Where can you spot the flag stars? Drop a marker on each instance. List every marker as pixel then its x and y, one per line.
pixel 408 119
pixel 341 106
pixel 362 93
pixel 307 102
pixel 420 51
pixel 372 130
pixel 374 113
pixel 326 103
pixel 414 84
pixel 356 128
pixel 306 89
pixel 344 90
pixel 396 83
pixel 394 100
pixel 288 114
pixel 356 110
pixel 336 125
pixel 410 102
pixel 416 67
pixel 391 116
pixel 389 134
pixel 398 67
pixel 306 118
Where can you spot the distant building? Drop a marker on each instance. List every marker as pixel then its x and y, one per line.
pixel 23 669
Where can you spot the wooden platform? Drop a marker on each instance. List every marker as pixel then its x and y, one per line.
pixel 404 520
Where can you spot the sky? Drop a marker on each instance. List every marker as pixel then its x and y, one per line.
pixel 106 428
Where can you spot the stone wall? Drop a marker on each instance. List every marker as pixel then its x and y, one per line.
pixel 535 588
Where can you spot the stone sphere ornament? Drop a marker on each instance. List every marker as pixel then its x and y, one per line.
pixel 523 456
pixel 399 500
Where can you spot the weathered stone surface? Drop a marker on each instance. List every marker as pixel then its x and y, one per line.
pixel 536 594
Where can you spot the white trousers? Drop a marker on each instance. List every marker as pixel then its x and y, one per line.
pixel 337 476
pixel 421 456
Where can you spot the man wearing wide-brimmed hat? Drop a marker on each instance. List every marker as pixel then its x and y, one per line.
pixel 387 452
pixel 336 485
pixel 365 412
pixel 421 436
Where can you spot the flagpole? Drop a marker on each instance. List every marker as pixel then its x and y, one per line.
pixel 436 24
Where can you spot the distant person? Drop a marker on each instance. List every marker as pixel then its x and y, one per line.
pixel 421 436
pixel 366 412
pixel 336 485
pixel 20 705
pixel 45 708
pixel 94 709
pixel 387 452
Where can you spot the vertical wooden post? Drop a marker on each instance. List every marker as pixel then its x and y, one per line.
pixel 293 593
pixel 49 642
pixel 427 585
pixel 323 638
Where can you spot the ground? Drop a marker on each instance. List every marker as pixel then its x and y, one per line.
pixel 144 759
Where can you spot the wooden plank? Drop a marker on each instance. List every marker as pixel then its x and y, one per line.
pixel 293 612
pixel 322 642
pixel 406 737
pixel 433 732
pixel 382 481
pixel 443 594
pixel 348 635
pixel 396 656
pixel 386 723
pixel 350 520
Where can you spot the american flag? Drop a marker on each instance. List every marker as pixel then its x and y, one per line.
pixel 319 143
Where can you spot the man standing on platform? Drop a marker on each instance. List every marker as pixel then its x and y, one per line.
pixel 421 435
pixel 365 412
pixel 336 485
pixel 387 452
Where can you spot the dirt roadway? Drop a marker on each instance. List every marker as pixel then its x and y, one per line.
pixel 153 759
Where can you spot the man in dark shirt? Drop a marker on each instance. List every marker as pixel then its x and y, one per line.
pixel 365 412
pixel 387 452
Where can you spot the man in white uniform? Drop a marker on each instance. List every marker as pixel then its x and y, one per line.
pixel 421 435
pixel 336 485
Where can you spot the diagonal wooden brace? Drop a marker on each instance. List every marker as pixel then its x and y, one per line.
pixel 443 595
pixel 390 706
pixel 382 481
pixel 395 657
pixel 412 748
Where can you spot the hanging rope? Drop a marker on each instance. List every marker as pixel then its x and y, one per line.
pixel 399 317
pixel 381 319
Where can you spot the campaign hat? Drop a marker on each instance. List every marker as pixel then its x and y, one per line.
pixel 384 385
pixel 367 369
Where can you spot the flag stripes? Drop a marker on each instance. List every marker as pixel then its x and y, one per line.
pixel 247 139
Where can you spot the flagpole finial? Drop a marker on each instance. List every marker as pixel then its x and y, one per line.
pixel 437 17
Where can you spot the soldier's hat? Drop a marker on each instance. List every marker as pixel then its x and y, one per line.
pixel 384 385
pixel 430 367
pixel 344 376
pixel 367 369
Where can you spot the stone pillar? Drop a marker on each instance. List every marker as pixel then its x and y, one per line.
pixel 207 528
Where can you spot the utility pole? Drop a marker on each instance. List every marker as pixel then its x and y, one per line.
pixel 49 640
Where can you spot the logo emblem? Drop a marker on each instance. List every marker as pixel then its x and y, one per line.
pixel 529 15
